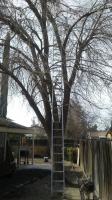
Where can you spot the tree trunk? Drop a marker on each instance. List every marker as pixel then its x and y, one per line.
pixel 4 78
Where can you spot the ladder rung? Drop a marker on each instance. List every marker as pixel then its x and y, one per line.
pixel 57 77
pixel 58 101
pixel 56 191
pixel 58 153
pixel 56 82
pixel 57 134
pixel 57 70
pixel 58 88
pixel 58 181
pixel 59 83
pixel 59 95
pixel 58 171
pixel 58 162
pixel 57 139
pixel 57 144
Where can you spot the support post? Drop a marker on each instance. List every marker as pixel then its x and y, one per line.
pixel 19 151
pixel 33 148
pixel 5 146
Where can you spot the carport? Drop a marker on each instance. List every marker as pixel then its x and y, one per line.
pixel 8 127
pixel 25 174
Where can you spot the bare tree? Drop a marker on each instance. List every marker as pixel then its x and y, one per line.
pixel 77 39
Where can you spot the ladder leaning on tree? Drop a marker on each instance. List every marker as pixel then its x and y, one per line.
pixel 57 143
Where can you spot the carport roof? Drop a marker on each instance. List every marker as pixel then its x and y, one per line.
pixel 8 126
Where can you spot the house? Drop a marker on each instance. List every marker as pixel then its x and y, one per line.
pixel 109 132
pixel 96 134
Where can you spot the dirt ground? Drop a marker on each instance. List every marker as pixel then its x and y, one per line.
pixel 34 184
pixel 40 190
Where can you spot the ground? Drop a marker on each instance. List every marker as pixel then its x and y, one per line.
pixel 32 183
pixel 41 190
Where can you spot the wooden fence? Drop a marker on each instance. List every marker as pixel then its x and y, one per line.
pixel 96 162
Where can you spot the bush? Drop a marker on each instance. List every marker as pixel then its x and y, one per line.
pixel 71 154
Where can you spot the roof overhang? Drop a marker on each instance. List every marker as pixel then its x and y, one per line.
pixel 16 130
pixel 8 126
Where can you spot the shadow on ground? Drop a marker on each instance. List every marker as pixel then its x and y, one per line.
pixel 34 183
pixel 14 185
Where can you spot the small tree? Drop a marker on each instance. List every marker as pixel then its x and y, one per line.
pixel 77 122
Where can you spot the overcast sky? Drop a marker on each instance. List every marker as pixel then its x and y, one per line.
pixel 19 111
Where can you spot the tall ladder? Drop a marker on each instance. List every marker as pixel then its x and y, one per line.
pixel 57 143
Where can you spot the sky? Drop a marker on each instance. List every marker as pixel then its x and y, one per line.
pixel 19 111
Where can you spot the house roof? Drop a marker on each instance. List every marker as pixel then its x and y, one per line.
pixel 10 124
pixel 40 131
pixel 97 134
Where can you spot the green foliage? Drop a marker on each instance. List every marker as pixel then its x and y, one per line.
pixel 71 154
pixel 41 151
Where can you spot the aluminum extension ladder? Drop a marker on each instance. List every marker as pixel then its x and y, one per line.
pixel 57 143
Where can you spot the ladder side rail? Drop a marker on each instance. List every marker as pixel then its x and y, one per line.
pixel 52 145
pixel 63 136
